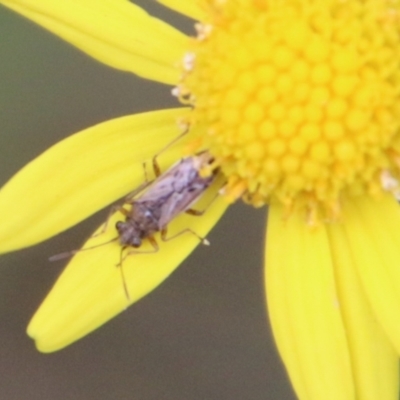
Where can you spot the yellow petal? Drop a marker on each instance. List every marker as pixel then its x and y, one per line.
pixel 90 290
pixel 115 32
pixel 81 175
pixel 374 359
pixel 372 229
pixel 190 8
pixel 304 309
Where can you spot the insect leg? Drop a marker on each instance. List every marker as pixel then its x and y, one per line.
pixel 129 198
pixel 187 230
pixel 156 167
pixel 196 213
pixel 199 213
pixel 153 243
pixel 122 257
pixel 122 273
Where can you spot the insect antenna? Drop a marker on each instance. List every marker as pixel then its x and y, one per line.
pixel 70 253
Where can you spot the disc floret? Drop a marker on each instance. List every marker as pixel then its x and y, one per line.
pixel 298 101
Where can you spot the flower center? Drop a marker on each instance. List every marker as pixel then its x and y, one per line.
pixel 298 101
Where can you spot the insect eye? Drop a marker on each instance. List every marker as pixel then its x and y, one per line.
pixel 136 242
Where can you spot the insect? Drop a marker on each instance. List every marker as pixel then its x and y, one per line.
pixel 156 203
pixel 168 195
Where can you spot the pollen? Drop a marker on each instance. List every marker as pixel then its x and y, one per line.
pixel 298 101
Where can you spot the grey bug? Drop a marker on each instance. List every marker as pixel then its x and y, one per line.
pixel 156 203
pixel 171 193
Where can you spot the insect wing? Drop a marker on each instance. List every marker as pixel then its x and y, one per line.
pixel 161 188
pixel 188 187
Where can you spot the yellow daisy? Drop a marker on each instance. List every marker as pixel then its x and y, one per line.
pixel 298 101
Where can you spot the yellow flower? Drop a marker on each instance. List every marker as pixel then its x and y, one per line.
pixel 298 101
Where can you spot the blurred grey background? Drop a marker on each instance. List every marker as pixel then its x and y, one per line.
pixel 203 334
